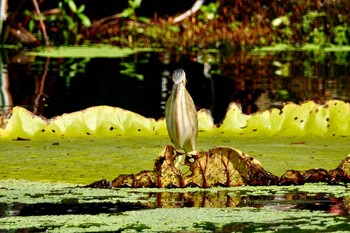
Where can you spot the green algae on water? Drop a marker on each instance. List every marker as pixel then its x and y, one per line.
pixel 26 192
pixel 194 219
pixel 308 188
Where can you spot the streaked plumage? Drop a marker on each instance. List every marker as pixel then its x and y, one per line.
pixel 181 115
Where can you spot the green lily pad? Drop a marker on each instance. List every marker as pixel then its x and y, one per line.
pixel 90 51
pixel 305 47
pixel 87 159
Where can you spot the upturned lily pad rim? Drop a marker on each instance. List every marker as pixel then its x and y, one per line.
pixel 307 119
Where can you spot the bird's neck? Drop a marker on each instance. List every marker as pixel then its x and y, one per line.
pixel 178 88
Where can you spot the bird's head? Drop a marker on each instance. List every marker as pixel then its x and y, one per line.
pixel 179 76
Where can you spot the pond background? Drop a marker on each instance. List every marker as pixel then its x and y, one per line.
pixel 256 80
pixel 142 82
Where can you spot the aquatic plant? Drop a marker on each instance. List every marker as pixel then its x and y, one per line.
pixel 209 12
pixel 67 22
pixel 341 34
pixel 129 12
pixel 63 24
pixel 130 70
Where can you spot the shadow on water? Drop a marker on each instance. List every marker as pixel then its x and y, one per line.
pixel 142 82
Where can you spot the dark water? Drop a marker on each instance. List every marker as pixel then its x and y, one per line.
pixel 142 82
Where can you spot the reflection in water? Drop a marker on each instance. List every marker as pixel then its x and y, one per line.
pixel 141 82
pixel 320 209
pixel 224 199
pixel 5 96
pixel 199 199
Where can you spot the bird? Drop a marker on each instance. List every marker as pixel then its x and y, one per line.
pixel 181 115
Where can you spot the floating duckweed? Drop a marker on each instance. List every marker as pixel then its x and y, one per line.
pixel 335 190
pixel 27 192
pixel 195 219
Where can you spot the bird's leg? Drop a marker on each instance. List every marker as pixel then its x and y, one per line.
pixel 190 156
pixel 180 161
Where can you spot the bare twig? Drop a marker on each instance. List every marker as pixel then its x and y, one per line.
pixel 40 89
pixel 42 25
pixel 191 11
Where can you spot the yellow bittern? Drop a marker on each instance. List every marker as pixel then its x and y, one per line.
pixel 181 115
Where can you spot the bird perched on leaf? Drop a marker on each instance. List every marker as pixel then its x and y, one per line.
pixel 181 115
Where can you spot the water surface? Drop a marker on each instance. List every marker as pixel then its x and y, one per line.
pixel 37 207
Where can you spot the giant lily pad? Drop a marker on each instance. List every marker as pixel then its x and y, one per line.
pixel 87 159
pixel 103 142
